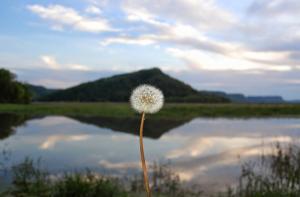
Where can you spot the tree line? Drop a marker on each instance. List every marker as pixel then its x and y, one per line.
pixel 11 90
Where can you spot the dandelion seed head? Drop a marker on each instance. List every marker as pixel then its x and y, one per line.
pixel 147 98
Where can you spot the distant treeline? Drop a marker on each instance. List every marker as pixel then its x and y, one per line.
pixel 12 91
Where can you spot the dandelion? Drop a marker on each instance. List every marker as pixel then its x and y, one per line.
pixel 146 99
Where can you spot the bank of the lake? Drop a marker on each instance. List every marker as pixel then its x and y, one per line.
pixel 170 111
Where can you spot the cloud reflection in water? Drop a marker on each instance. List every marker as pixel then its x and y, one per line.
pixel 205 151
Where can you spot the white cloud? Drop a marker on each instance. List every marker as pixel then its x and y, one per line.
pixel 203 14
pixel 191 29
pixel 78 67
pixel 51 62
pixel 93 10
pixel 99 3
pixel 293 81
pixel 269 26
pixel 61 16
pixel 144 40
pixel 205 60
pixel 57 27
pixel 279 8
pixel 54 83
pixel 205 53
pixel 179 34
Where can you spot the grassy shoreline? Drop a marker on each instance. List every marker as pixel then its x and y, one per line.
pixel 170 111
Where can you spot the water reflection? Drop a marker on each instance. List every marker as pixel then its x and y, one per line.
pixel 154 128
pixel 206 151
pixel 8 123
pixel 53 139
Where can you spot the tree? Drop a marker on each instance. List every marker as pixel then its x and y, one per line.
pixel 12 91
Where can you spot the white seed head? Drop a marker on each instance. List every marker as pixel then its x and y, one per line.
pixel 147 98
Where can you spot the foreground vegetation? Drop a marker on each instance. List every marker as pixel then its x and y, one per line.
pixel 277 175
pixel 170 111
pixel 31 180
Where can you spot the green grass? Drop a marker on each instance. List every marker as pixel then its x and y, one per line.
pixel 170 111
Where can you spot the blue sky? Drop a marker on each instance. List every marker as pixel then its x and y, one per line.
pixel 247 46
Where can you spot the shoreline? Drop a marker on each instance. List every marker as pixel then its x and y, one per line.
pixel 170 111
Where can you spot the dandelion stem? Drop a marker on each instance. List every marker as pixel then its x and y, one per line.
pixel 146 180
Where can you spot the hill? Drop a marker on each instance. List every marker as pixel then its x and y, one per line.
pixel 241 98
pixel 118 89
pixel 265 99
pixel 294 101
pixel 39 91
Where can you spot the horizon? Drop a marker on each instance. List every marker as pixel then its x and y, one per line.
pixel 164 73
pixel 249 47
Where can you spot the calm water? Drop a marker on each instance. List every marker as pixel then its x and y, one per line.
pixel 203 151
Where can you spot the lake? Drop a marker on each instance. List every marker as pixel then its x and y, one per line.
pixel 201 151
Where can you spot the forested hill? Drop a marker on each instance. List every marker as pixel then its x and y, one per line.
pixel 39 91
pixel 118 89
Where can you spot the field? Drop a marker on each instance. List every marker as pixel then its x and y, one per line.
pixel 170 111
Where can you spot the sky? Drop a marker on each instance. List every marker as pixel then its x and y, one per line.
pixel 245 46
